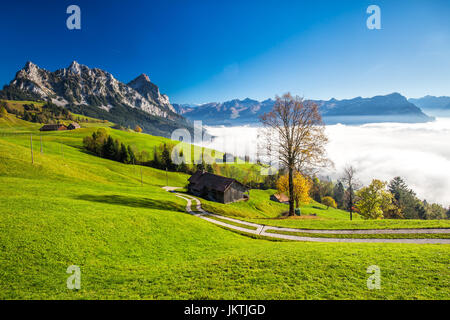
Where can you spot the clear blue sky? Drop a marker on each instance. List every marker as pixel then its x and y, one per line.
pixel 214 50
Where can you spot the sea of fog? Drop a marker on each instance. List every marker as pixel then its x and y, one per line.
pixel 420 153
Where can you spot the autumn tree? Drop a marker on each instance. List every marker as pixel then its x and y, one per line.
pixel 351 182
pixel 294 132
pixel 302 186
pixel 374 200
pixel 138 129
pixel 329 202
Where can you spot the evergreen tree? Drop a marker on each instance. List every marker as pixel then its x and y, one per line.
pixel 182 167
pixel 166 158
pixel 155 162
pixel 132 155
pixel 124 155
pixel 315 190
pixel 108 150
pixel 406 199
pixel 26 116
pixel 339 194
pixel 117 150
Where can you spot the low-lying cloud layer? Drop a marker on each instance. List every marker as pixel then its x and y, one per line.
pixel 420 153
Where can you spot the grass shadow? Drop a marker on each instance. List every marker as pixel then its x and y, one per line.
pixel 135 202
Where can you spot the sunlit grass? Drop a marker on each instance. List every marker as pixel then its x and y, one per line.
pixel 135 241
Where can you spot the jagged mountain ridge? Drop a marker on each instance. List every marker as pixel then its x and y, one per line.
pixel 96 93
pixel 81 85
pixel 390 108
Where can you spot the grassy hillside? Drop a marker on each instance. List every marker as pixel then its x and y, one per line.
pixel 260 206
pixel 136 242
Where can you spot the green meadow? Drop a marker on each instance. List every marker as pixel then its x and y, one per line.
pixel 133 240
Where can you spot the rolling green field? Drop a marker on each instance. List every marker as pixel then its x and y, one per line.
pixel 260 206
pixel 135 241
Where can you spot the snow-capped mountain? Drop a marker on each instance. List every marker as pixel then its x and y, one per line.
pixel 81 85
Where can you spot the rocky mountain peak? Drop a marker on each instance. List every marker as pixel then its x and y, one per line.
pixel 80 85
pixel 30 65
pixel 77 68
pixel 143 78
pixel 150 91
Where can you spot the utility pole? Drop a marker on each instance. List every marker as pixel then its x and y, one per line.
pixel 31 145
pixel 42 150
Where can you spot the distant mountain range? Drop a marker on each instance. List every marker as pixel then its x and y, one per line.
pixel 435 106
pixel 96 93
pixel 389 108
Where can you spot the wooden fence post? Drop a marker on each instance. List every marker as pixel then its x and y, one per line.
pixel 31 145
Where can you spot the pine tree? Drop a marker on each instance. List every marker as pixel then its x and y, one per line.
pixel 182 167
pixel 406 199
pixel 132 155
pixel 155 162
pixel 116 150
pixel 124 155
pixel 339 194
pixel 166 159
pixel 108 150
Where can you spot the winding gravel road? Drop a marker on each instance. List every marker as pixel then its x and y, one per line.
pixel 262 230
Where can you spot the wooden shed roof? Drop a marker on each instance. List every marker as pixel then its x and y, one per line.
pixel 49 127
pixel 212 181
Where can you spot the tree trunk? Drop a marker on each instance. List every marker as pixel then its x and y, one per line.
pixel 351 203
pixel 291 191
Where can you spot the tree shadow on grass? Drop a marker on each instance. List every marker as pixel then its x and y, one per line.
pixel 134 202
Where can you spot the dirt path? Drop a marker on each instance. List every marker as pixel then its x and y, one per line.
pixel 261 230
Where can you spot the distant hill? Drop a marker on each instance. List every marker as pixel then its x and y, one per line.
pixel 435 106
pixel 389 108
pixel 431 102
pixel 96 93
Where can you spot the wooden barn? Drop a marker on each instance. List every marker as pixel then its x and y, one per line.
pixel 217 188
pixel 73 126
pixel 53 127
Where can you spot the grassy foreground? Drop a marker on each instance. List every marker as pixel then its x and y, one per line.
pixel 136 242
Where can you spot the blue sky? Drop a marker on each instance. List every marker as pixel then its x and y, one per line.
pixel 203 51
